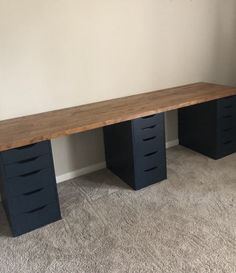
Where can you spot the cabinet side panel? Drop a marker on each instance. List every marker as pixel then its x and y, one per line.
pixel 119 151
pixel 198 128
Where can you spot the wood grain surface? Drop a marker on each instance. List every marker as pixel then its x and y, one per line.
pixel 26 130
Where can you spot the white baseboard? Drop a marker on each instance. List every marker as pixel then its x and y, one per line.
pixel 99 166
pixel 172 143
pixel 80 172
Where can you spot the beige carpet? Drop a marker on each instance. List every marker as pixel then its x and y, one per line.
pixel 184 224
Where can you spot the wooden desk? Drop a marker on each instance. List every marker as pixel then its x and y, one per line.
pixel 35 128
pixel 134 135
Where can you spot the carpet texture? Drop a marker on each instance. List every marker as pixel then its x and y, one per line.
pixel 184 224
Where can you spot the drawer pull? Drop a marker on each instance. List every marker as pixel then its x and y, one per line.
pixel 32 192
pixel 149 154
pixel 28 160
pixel 149 138
pixel 227 116
pixel 31 173
pixel 228 142
pixel 151 169
pixel 38 209
pixel 151 116
pixel 149 127
pixel 25 147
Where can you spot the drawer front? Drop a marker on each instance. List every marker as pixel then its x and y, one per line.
pixel 155 144
pixel 226 109
pixel 226 103
pixel 148 122
pixel 28 183
pixel 31 220
pixel 28 166
pixel 226 139
pixel 26 152
pixel 31 200
pixel 227 122
pixel 226 147
pixel 149 161
pixel 148 133
pixel 227 135
pixel 145 177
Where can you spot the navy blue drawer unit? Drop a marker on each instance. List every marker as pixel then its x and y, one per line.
pixel 209 128
pixel 28 187
pixel 135 150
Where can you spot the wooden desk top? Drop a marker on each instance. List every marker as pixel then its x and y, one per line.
pixel 26 130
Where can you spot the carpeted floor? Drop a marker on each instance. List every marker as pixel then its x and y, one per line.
pixel 185 224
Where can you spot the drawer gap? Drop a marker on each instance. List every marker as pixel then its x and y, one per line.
pixel 151 116
pixel 149 138
pixel 28 160
pixel 33 192
pixel 31 173
pixel 35 210
pixel 151 169
pixel 227 142
pixel 25 147
pixel 227 116
pixel 149 154
pixel 149 127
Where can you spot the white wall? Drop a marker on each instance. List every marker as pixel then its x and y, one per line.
pixel 61 53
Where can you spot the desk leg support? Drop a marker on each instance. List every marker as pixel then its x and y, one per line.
pixel 135 150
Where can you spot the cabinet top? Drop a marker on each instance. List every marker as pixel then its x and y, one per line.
pixel 30 129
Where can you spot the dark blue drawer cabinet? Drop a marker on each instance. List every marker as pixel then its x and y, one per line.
pixel 28 187
pixel 135 150
pixel 209 128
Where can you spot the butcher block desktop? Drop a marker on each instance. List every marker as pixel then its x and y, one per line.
pixel 35 128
